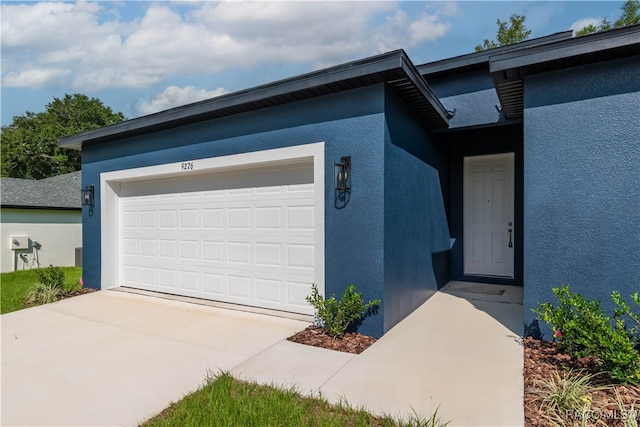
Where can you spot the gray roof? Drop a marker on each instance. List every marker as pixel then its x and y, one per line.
pixel 58 192
pixel 392 68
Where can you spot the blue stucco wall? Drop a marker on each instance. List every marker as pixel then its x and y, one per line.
pixel 350 124
pixel 472 96
pixel 582 182
pixel 415 220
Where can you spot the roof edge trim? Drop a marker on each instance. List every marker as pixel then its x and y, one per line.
pixel 385 66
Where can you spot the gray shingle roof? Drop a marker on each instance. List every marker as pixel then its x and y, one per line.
pixel 58 192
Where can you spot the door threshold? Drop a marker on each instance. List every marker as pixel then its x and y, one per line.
pixel 489 292
pixel 217 304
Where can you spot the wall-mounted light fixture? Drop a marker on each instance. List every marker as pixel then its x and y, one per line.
pixel 342 172
pixel 87 195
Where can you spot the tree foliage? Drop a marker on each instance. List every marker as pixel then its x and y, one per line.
pixel 630 16
pixel 510 32
pixel 30 143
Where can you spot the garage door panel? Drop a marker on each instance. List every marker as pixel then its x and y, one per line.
pixel 148 219
pixel 268 217
pixel 213 251
pixel 149 276
pixel 239 218
pixel 167 249
pixel 239 253
pixel 167 279
pixel 297 293
pixel 189 250
pixel 190 218
pixel 213 218
pixel 244 237
pixel 148 247
pixel 300 256
pixel 129 274
pixel 129 219
pixel 300 217
pixel 213 285
pixel 269 290
pixel 168 219
pixel 189 280
pixel 239 287
pixel 268 254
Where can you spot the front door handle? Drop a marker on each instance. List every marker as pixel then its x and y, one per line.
pixel 510 230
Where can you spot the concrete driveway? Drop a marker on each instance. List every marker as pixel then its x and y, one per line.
pixel 114 359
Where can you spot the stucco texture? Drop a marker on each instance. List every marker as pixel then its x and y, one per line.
pixel 581 184
pixel 415 220
pixel 349 124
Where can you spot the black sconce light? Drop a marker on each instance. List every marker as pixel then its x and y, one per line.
pixel 342 172
pixel 87 195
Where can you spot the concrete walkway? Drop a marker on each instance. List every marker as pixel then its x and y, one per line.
pixel 114 359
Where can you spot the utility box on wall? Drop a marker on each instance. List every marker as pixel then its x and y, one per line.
pixel 20 242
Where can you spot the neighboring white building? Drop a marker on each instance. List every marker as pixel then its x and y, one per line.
pixel 41 222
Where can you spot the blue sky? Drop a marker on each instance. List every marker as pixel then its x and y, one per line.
pixel 140 57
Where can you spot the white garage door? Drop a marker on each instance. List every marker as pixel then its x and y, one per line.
pixel 242 236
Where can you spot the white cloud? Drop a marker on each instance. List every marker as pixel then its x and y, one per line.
pixel 98 49
pixel 581 23
pixel 174 96
pixel 36 78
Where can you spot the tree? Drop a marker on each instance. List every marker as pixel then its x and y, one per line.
pixel 30 143
pixel 630 16
pixel 510 32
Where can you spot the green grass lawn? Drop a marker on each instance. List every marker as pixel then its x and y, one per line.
pixel 226 401
pixel 14 286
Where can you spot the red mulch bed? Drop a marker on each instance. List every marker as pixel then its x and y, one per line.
pixel 77 292
pixel 541 359
pixel 351 342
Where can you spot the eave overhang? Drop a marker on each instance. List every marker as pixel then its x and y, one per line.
pixel 392 68
pixel 508 69
pixel 42 208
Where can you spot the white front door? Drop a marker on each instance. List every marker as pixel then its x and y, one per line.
pixel 489 215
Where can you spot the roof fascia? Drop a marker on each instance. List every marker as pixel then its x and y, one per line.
pixel 386 65
pixel 479 60
pixel 41 208
pixel 575 46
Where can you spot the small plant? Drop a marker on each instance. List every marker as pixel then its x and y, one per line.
pixel 582 328
pixel 43 294
pixel 566 400
pixel 433 421
pixel 50 287
pixel 630 415
pixel 336 316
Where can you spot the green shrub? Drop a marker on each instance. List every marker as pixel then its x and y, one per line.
pixel 336 316
pixel 582 328
pixel 52 277
pixel 50 287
